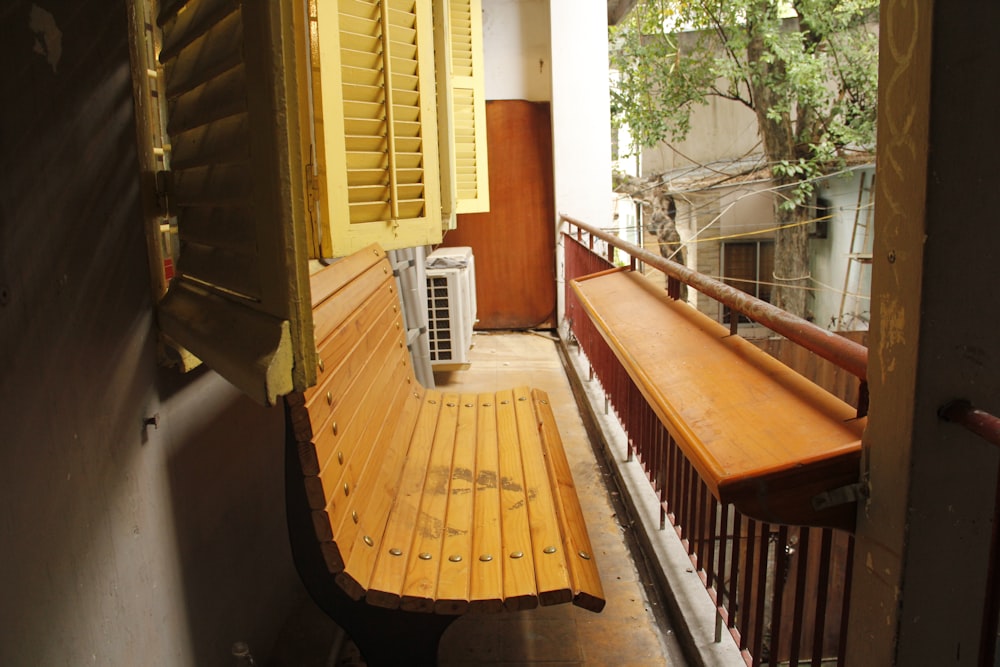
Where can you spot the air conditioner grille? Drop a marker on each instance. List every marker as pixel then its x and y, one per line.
pixel 439 325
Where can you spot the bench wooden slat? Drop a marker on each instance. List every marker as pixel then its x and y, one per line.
pixel 333 492
pixel 424 562
pixel 324 284
pixel 453 593
pixel 586 584
pixel 759 434
pixel 339 519
pixel 386 588
pixel 356 382
pixel 519 590
pixel 362 470
pixel 309 414
pixel 330 314
pixel 383 488
pixel 335 452
pixel 551 571
pixel 487 579
pixel 348 348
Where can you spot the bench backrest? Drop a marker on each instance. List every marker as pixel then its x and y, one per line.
pixel 366 390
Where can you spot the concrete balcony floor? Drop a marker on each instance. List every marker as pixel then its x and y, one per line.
pixel 631 630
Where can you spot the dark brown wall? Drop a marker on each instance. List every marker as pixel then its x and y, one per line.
pixel 121 545
pixel 514 244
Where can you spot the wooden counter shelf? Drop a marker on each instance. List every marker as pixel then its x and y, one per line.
pixel 761 436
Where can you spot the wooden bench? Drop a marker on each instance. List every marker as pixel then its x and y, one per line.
pixel 409 506
pixel 761 436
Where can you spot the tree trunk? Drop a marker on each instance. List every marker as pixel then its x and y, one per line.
pixel 791 242
pixel 660 215
pixel 791 262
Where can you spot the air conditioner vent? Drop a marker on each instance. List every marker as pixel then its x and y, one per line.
pixel 451 306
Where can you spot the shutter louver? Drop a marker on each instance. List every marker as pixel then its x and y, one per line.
pixel 466 156
pixel 241 268
pixel 461 38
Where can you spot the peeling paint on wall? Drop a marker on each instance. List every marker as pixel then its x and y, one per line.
pixel 48 36
pixel 892 333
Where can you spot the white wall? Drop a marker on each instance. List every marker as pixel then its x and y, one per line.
pixel 830 257
pixel 720 130
pixel 516 50
pixel 581 117
pixel 581 110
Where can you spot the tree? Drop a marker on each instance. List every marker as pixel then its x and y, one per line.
pixel 807 68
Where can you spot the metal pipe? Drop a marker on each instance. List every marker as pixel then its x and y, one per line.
pixel 851 356
pixel 982 423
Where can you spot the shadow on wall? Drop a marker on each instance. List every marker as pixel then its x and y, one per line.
pixel 226 479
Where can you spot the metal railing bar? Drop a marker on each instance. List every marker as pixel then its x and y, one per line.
pixel 822 597
pixel 801 574
pixel 748 572
pixel 734 568
pixel 846 603
pixel 713 522
pixel 761 599
pixel 781 566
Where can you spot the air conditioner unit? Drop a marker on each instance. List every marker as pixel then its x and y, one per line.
pixel 451 306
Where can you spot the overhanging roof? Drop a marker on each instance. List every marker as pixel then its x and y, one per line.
pixel 618 9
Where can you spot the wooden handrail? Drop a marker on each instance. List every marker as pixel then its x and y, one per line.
pixel 841 351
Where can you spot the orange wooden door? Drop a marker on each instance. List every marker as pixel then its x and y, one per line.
pixel 514 243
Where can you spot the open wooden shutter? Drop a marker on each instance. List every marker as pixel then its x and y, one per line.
pixel 239 300
pixel 469 106
pixel 461 108
pixel 376 124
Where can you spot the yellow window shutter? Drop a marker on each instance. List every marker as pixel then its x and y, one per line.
pixel 240 299
pixel 469 106
pixel 446 120
pixel 376 124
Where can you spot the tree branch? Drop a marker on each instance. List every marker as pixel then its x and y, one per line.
pixel 715 91
pixel 721 31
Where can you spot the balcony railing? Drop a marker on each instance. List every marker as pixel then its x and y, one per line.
pixel 782 590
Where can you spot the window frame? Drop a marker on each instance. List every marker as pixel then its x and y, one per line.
pixel 756 281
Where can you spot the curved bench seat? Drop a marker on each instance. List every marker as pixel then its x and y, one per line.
pixel 420 500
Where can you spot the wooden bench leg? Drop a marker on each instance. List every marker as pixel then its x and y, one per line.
pixel 384 636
